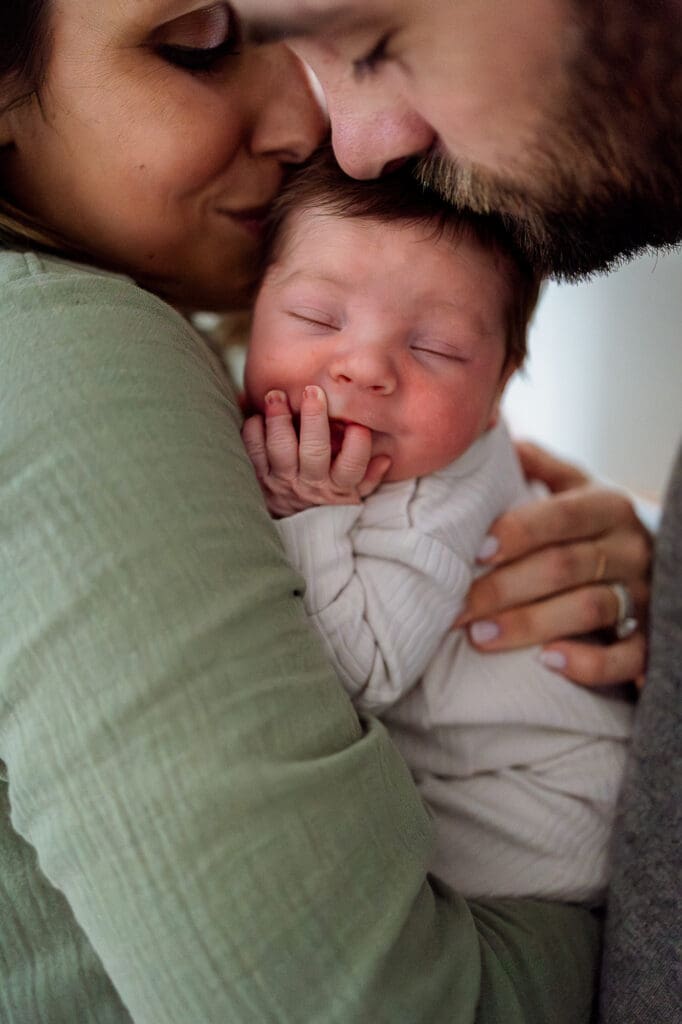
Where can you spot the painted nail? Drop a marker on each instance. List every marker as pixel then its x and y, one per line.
pixel 554 660
pixel 488 548
pixel 275 397
pixel 484 632
pixel 311 391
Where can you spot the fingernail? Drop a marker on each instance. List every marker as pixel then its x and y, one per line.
pixel 311 391
pixel 484 632
pixel 274 397
pixel 554 660
pixel 488 548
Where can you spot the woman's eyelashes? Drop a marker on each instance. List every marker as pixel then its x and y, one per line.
pixel 199 41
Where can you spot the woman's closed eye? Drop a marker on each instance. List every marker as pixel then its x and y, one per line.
pixel 198 41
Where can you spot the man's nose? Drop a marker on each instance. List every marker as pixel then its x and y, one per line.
pixel 370 139
pixel 364 368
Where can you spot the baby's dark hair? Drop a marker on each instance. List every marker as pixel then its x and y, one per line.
pixel 320 184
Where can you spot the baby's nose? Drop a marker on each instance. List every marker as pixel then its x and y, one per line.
pixel 370 371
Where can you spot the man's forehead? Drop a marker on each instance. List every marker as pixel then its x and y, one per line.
pixel 271 20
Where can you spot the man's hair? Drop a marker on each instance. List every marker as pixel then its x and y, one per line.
pixel 320 185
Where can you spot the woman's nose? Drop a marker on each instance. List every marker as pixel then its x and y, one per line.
pixel 365 369
pixel 289 121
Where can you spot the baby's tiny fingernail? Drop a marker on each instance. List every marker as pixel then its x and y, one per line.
pixel 484 632
pixel 312 391
pixel 488 548
pixel 554 660
pixel 275 397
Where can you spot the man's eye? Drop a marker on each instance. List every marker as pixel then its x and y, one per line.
pixel 200 40
pixel 364 66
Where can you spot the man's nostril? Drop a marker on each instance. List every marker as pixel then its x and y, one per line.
pixel 394 165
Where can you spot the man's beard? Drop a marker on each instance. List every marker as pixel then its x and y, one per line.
pixel 605 180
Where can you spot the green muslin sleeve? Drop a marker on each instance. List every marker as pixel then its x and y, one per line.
pixel 201 830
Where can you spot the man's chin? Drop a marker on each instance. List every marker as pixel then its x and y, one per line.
pixel 578 243
pixel 566 236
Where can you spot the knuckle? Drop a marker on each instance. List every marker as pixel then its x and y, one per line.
pixel 314 450
pixel 593 665
pixel 486 593
pixel 519 624
pixel 641 551
pixel 623 508
pixel 596 608
pixel 561 566
pixel 563 517
pixel 353 466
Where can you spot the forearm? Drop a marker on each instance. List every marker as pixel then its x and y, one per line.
pixel 382 597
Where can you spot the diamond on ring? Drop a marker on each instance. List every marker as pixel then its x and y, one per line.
pixel 626 623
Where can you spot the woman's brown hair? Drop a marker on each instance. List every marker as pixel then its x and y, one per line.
pixel 24 52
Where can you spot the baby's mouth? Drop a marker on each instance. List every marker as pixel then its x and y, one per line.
pixel 337 432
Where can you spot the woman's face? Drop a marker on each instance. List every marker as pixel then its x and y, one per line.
pixel 156 142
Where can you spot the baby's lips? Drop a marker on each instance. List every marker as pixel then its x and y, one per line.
pixel 337 432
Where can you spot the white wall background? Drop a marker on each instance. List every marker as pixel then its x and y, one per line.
pixel 603 384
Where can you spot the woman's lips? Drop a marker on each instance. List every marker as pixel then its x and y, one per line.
pixel 251 219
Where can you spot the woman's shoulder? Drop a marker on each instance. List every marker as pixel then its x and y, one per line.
pixel 48 284
pixel 64 322
pixel 48 303
pixel 27 267
pixel 51 299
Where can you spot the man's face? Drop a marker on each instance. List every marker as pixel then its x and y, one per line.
pixel 561 114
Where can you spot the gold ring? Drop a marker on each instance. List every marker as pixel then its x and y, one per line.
pixel 601 567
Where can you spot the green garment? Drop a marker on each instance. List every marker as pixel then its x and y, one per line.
pixel 219 838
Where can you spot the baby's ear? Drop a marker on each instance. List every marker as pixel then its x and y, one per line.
pixel 494 415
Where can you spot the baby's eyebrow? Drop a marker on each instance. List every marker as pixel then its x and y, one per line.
pixel 307 277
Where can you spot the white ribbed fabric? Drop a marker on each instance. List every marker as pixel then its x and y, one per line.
pixel 520 768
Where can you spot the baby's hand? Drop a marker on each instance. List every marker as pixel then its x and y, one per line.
pixel 298 473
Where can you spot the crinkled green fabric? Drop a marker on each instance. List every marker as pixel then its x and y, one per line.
pixel 201 830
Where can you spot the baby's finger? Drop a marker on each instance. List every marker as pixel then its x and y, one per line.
pixel 376 471
pixel 350 465
pixel 314 450
pixel 253 436
pixel 280 436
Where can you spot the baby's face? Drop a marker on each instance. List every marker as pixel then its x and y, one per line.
pixel 405 334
